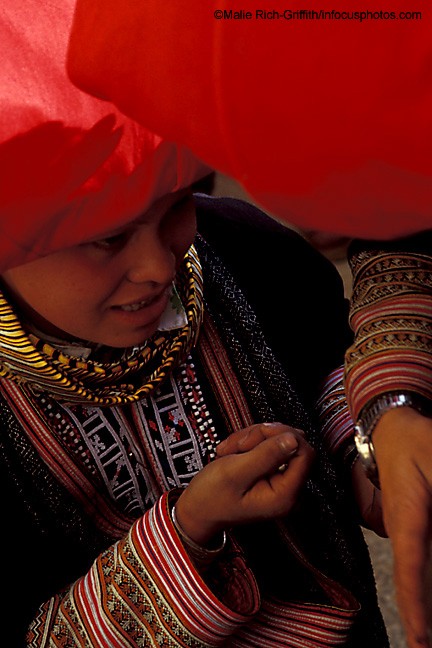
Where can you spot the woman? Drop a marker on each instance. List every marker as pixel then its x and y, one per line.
pixel 128 355
pixel 114 395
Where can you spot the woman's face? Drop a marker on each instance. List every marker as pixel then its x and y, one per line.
pixel 111 291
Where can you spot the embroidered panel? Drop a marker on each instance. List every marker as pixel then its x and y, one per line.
pixel 176 429
pixel 138 451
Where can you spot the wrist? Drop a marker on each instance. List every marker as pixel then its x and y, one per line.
pixel 202 556
pixel 398 428
pixel 371 417
pixel 195 528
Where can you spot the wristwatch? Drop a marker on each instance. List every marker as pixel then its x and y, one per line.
pixel 367 422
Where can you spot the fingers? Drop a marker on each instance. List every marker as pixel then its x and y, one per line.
pixel 272 463
pixel 409 536
pixel 410 592
pixel 274 493
pixel 403 445
pixel 248 486
pixel 271 492
pixel 246 439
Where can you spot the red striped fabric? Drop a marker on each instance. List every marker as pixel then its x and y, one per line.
pixel 336 423
pixel 391 315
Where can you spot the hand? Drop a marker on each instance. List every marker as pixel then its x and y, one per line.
pixel 245 484
pixel 403 447
pixel 368 499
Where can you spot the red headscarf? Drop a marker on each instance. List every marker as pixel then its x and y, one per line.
pixel 71 166
pixel 325 118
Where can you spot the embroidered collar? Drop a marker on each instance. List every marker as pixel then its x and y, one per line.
pixel 174 317
pixel 24 357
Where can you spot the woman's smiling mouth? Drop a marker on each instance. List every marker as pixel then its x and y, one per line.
pixel 155 303
pixel 138 305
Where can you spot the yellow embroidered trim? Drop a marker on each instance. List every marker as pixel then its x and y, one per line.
pixel 26 358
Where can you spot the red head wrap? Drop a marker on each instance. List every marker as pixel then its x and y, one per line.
pixel 71 166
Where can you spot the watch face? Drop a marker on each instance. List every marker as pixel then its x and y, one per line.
pixel 365 449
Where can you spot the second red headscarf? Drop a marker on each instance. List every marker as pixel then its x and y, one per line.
pixel 324 117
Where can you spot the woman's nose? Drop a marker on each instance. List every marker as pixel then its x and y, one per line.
pixel 150 259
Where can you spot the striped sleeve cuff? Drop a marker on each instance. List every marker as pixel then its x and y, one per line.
pixel 391 316
pixel 144 590
pixel 337 427
pixel 392 350
pixel 201 612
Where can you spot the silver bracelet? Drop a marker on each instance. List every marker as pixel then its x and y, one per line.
pixel 202 556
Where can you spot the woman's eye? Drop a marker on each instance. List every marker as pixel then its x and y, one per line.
pixel 111 242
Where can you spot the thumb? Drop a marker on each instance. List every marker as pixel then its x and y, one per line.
pixel 265 458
